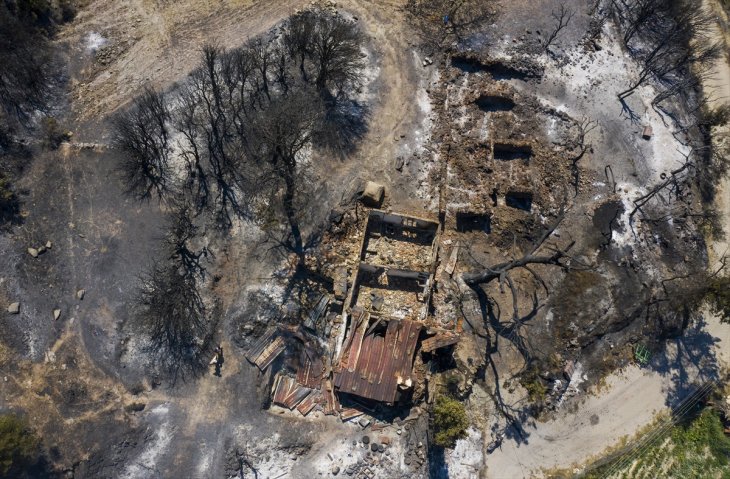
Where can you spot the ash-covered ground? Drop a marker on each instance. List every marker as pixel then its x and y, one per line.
pixel 516 150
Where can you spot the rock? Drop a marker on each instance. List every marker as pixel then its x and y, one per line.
pixel 366 439
pixel 80 294
pixel 335 470
pixel 56 314
pixel 135 407
pixel 41 249
pixel 33 252
pixel 399 431
pixel 373 194
pixel 14 308
pixel 384 440
pixel 48 245
pixel 364 422
pixel 374 447
pixel 381 448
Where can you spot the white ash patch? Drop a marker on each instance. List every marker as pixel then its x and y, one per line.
pixel 466 459
pixel 365 93
pixel 145 464
pixel 95 41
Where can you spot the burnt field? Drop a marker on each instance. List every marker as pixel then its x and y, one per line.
pixel 359 239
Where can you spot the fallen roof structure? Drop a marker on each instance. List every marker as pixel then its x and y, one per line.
pixel 266 349
pixel 387 306
pixel 375 365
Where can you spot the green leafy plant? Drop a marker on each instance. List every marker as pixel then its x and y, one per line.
pixel 18 445
pixel 718 297
pixel 449 421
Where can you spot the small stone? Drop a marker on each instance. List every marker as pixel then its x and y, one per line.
pixel 399 431
pixel 33 252
pixel 335 470
pixel 80 294
pixel 56 314
pixel 48 245
pixel 14 308
pixel 41 250
pixel 366 439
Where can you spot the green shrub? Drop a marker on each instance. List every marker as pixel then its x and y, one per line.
pixel 18 446
pixel 718 297
pixel 449 421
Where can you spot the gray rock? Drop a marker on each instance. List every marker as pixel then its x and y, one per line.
pixel 366 439
pixel 48 245
pixel 80 294
pixel 335 470
pixel 56 314
pixel 33 252
pixel 14 308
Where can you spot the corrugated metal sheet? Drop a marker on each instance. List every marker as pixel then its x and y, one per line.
pixel 350 412
pixel 268 347
pixel 331 403
pixel 311 369
pixel 374 365
pixel 288 393
pixel 309 403
pixel 439 341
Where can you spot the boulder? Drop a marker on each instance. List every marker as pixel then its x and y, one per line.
pixel 373 194
pixel 14 308
pixel 33 252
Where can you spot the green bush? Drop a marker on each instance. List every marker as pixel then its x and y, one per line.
pixel 18 446
pixel 449 421
pixel 718 297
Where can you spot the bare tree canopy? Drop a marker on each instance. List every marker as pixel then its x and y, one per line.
pixel 244 120
pixel 175 320
pixel 141 133
pixel 562 18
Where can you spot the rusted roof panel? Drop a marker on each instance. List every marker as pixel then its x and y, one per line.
pixel 309 403
pixel 331 404
pixel 268 347
pixel 288 393
pixel 439 341
pixel 350 412
pixel 380 363
pixel 311 369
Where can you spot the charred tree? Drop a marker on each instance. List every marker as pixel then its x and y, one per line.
pixel 562 18
pixel 141 133
pixel 175 321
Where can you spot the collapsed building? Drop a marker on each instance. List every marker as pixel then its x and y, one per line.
pixel 377 323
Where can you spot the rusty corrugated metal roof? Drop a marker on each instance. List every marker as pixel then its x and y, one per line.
pixel 266 349
pixel 374 365
pixel 311 369
pixel 288 393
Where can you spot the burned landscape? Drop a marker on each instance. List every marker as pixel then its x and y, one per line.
pixel 362 238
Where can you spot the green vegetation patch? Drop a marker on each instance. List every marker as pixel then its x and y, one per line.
pixel 18 446
pixel 696 449
pixel 449 421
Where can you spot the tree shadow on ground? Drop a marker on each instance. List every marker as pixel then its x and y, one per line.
pixel 516 415
pixel 689 361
